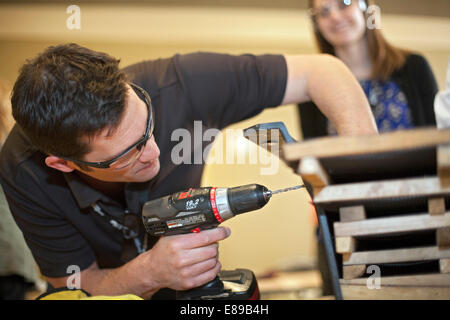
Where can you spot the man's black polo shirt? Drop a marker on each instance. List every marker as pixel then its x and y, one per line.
pixel 53 209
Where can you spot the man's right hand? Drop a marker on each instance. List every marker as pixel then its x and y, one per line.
pixel 178 262
pixel 181 262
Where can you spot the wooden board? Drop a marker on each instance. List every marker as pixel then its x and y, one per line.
pixel 352 272
pixel 392 225
pixel 436 206
pixel 348 214
pixel 396 256
pixel 400 164
pixel 378 190
pixel 443 237
pixel 443 163
pixel 354 145
pixel 444 266
pixel 353 292
pixel 345 244
pixel 312 172
pixel 425 280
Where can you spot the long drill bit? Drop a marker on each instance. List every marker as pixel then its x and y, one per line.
pixel 271 193
pixel 288 189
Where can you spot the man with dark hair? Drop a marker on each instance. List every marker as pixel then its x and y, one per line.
pixel 92 144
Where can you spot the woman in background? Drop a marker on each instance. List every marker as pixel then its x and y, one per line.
pixel 399 84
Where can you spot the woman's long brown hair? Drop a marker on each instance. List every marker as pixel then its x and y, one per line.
pixel 385 57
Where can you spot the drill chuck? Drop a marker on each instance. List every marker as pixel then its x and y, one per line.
pixel 248 198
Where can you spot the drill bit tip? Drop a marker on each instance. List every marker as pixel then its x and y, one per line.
pixel 287 189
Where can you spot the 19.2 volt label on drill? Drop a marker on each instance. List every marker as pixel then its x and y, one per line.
pixel 186 221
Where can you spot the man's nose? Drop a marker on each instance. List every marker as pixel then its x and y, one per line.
pixel 150 152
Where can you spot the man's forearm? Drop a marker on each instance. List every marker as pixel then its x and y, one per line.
pixel 116 281
pixel 327 82
pixel 179 262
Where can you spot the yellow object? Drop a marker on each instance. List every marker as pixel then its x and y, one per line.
pixel 67 294
pixel 122 297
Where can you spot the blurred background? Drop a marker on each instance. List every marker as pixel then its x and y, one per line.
pixel 280 236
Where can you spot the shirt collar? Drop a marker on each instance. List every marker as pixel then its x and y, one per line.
pixel 83 193
pixel 136 193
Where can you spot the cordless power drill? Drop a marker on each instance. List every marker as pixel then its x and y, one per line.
pixel 198 209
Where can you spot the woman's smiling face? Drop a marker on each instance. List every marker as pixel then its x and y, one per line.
pixel 341 22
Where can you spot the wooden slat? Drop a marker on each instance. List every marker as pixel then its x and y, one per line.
pixel 384 226
pixel 352 292
pixel 377 190
pixel 425 280
pixel 356 213
pixel 443 164
pixel 357 145
pixel 312 172
pixel 396 255
pixel 443 237
pixel 444 266
pixel 436 206
pixel 353 272
pixel 345 244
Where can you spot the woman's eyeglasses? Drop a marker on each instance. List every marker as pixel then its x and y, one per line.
pixel 325 11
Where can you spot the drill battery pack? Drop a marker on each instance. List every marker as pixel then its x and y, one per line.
pixel 239 284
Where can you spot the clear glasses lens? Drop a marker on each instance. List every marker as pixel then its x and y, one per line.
pixel 128 158
pixel 344 3
pixel 325 10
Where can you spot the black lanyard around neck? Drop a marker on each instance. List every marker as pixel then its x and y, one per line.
pixel 126 231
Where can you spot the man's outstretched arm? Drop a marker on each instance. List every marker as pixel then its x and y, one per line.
pixel 327 82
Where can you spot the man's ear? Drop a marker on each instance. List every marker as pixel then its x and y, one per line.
pixel 59 164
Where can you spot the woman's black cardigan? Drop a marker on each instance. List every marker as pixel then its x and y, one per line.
pixel 415 79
